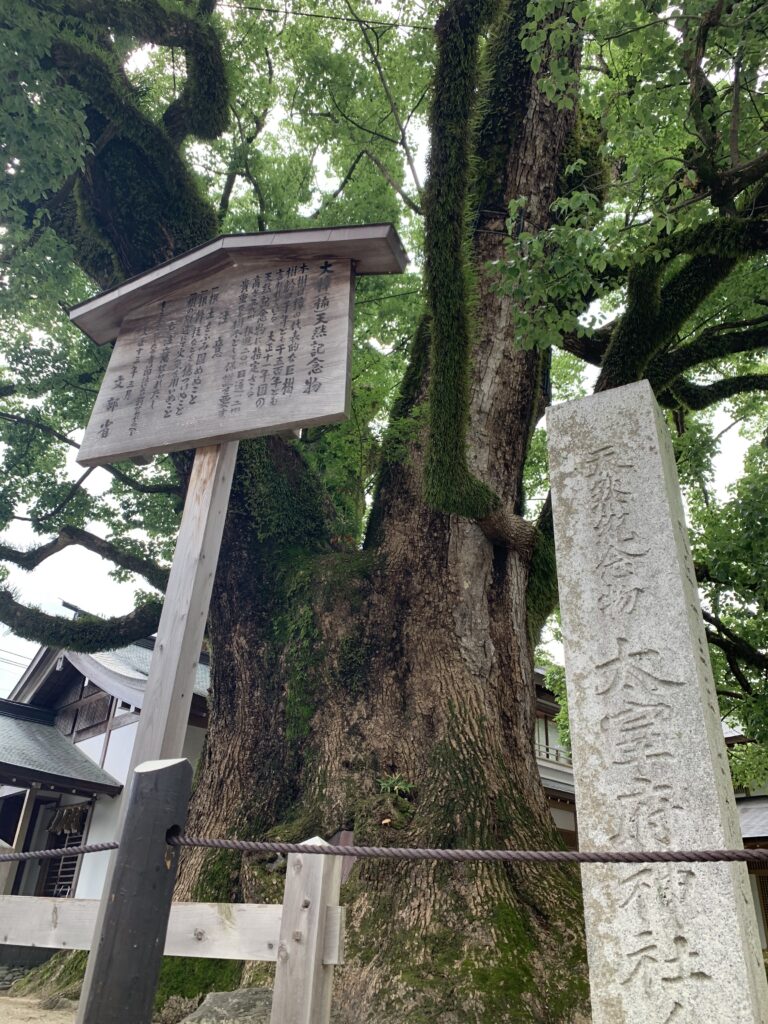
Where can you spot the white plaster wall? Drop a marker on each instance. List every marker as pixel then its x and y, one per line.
pixel 119 749
pixel 563 819
pixel 193 744
pixel 92 747
pixel 107 809
pixel 102 830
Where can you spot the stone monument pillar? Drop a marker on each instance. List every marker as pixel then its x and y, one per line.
pixel 667 944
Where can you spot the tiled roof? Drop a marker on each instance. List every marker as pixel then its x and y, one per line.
pixel 133 661
pixel 123 672
pixel 33 751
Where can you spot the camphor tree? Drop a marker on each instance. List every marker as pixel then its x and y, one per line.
pixel 597 185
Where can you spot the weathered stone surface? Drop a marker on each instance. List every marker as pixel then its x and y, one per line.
pixel 668 944
pixel 244 1005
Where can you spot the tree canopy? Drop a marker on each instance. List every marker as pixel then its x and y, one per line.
pixel 594 210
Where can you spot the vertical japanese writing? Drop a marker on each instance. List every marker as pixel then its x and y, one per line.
pixel 265 331
pixel 621 553
pixel 316 363
pixel 236 352
pixel 638 696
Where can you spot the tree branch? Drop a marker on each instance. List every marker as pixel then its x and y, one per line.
pixel 713 343
pixel 738 646
pixel 590 349
pixel 86 633
pixel 76 487
pixel 201 108
pixel 155 574
pixel 26 421
pixel 733 130
pixel 342 185
pixel 360 127
pixel 388 93
pixel 136 485
pixel 509 530
pixel 702 396
pixel 229 184
pixel 379 165
pixel 172 490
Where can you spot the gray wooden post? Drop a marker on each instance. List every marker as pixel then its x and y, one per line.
pixel 302 991
pixel 129 937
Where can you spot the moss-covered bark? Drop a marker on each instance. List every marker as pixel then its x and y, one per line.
pixel 336 672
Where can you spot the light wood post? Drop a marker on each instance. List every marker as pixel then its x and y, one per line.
pixel 168 697
pixel 302 990
pixel 129 938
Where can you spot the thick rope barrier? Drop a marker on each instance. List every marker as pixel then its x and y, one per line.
pixel 757 856
pixel 487 856
pixel 72 851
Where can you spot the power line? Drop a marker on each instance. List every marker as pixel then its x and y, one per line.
pixel 330 17
pixel 392 295
pixel 13 654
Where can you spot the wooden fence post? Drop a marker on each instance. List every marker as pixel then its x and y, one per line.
pixel 302 990
pixel 129 937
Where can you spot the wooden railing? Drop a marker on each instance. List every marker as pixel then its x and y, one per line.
pixel 135 923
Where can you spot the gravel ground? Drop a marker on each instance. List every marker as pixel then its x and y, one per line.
pixel 29 1011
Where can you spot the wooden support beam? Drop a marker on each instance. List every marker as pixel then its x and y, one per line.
pixel 221 931
pixel 8 870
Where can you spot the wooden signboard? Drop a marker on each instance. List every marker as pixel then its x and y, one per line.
pixel 252 349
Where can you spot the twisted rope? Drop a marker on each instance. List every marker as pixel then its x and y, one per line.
pixel 72 851
pixel 759 856
pixel 490 856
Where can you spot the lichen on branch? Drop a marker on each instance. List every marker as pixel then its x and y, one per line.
pixel 87 633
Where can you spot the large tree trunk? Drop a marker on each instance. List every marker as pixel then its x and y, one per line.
pixel 390 691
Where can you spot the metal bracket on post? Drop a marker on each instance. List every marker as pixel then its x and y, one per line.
pixel 129 938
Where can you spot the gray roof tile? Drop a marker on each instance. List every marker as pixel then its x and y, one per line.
pixel 40 751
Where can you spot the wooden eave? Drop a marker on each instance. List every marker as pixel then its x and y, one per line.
pixel 373 248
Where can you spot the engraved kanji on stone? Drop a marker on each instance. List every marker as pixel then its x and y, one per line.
pixel 646 812
pixel 610 500
pixel 617 569
pixel 635 730
pixel 663 977
pixel 668 885
pixel 628 672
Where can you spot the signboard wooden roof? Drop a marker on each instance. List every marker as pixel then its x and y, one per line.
pixel 374 249
pixel 248 335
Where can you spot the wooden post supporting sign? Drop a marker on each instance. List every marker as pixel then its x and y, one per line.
pixel 247 335
pixel 165 714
